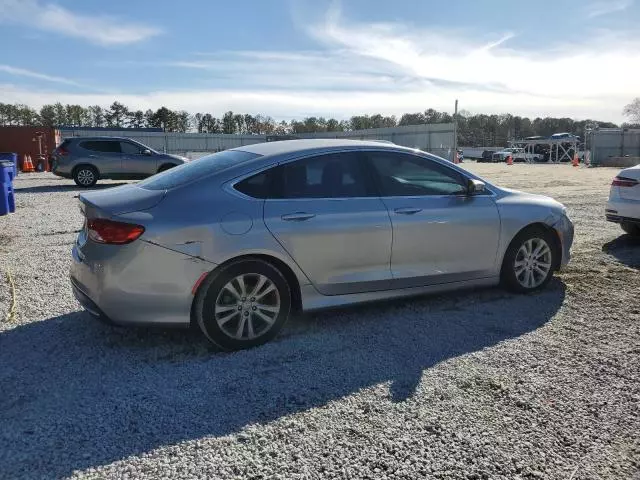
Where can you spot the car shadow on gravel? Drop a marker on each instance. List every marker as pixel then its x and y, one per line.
pixel 78 394
pixel 64 188
pixel 626 249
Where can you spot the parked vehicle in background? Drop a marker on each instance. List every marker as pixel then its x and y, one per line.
pixel 236 241
pixel 517 154
pixel 88 159
pixel 556 136
pixel 623 206
pixel 487 156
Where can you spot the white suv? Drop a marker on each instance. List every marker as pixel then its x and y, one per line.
pixel 624 200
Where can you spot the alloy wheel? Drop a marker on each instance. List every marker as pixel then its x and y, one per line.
pixel 532 263
pixel 85 177
pixel 247 306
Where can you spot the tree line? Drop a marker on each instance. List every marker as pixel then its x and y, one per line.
pixel 473 129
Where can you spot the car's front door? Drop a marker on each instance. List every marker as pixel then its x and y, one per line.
pixel 440 234
pixel 327 218
pixel 135 162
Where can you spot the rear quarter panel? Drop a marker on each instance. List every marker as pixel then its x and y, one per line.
pixel 205 220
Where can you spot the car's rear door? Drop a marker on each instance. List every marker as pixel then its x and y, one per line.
pixel 440 234
pixel 326 216
pixel 135 163
pixel 104 154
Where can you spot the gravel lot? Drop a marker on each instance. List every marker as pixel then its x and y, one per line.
pixel 480 384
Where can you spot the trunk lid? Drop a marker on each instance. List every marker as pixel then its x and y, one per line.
pixel 119 200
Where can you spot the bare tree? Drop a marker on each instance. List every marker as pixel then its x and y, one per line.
pixel 633 110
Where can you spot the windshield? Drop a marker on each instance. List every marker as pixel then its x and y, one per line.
pixel 196 169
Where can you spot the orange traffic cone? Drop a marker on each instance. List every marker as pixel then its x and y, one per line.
pixel 509 160
pixel 576 161
pixel 27 165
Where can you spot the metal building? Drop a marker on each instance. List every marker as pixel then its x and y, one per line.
pixel 433 138
pixel 619 147
pixel 172 142
pixel 437 138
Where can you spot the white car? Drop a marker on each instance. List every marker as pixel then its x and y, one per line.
pixel 517 154
pixel 624 200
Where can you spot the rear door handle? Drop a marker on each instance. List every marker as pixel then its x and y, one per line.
pixel 297 217
pixel 407 210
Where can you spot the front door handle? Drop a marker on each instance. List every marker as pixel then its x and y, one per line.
pixel 297 217
pixel 407 210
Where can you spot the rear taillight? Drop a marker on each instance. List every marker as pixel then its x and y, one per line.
pixel 111 232
pixel 624 182
pixel 63 152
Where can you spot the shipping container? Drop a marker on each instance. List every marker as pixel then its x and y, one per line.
pixel 35 141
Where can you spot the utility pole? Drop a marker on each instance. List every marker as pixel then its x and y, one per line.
pixel 455 133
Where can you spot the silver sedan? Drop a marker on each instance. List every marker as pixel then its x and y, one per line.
pixel 237 241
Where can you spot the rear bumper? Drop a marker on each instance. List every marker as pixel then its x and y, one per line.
pixel 622 210
pixel 135 284
pixel 614 218
pixel 60 172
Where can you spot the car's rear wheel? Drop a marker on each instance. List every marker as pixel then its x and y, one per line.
pixel 632 229
pixel 85 176
pixel 529 262
pixel 244 305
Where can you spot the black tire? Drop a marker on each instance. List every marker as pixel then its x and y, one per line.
pixel 85 176
pixel 213 290
pixel 508 277
pixel 166 167
pixel 632 229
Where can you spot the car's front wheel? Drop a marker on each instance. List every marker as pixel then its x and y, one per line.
pixel 632 229
pixel 244 305
pixel 529 262
pixel 85 176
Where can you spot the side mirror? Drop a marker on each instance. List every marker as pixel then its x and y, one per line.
pixel 146 151
pixel 475 187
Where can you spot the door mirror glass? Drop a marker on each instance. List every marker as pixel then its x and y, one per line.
pixel 474 187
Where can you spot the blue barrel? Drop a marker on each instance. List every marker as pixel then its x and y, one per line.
pixel 13 157
pixel 7 200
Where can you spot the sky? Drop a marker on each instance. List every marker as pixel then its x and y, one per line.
pixel 332 58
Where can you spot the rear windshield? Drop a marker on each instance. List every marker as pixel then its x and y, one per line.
pixel 196 169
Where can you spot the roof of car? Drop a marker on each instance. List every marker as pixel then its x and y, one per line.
pixel 98 138
pixel 288 146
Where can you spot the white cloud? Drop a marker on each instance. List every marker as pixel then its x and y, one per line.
pixel 391 69
pixel 578 74
pixel 597 9
pixel 40 76
pixel 98 29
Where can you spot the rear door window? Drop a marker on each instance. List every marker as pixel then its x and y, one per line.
pixel 104 146
pixel 337 175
